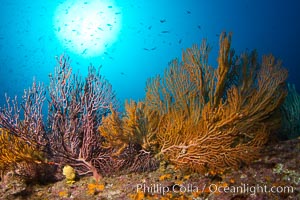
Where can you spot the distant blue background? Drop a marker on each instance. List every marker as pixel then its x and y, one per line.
pixel 28 45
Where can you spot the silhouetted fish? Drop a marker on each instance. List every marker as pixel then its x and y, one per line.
pixel 84 51
pixel 165 31
pixel 188 12
pixel 162 20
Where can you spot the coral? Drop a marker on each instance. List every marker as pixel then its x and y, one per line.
pixel 131 137
pixel 290 111
pixel 25 120
pixel 216 118
pixel 195 116
pixel 137 126
pixel 20 157
pixel 24 147
pixel 203 118
pixel 69 136
pixel 75 111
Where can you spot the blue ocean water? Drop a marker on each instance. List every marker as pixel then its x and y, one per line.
pixel 149 35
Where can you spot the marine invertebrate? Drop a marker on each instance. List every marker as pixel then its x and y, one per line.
pixel 132 136
pixel 216 118
pixel 25 120
pixel 94 188
pixel 69 136
pixel 290 111
pixel 195 116
pixel 75 111
pixel 137 126
pixel 199 117
pixel 69 173
pixel 24 143
pixel 16 154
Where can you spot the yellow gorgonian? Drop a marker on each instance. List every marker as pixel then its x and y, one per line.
pixel 14 150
